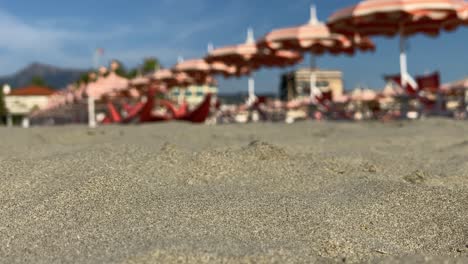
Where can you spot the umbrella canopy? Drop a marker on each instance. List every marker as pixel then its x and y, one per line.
pixel 398 17
pixel 462 17
pixel 461 85
pixel 314 37
pixel 363 95
pixel 200 70
pixel 96 89
pixel 140 81
pixel 250 55
pixel 463 13
pixel 114 83
pixel 171 79
pixel 392 17
pixel 79 91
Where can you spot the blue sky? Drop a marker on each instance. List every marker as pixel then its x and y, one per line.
pixel 66 33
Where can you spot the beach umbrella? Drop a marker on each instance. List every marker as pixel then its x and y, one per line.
pixel 140 81
pixel 463 13
pixel 314 38
pixel 201 71
pixel 248 57
pixel 457 86
pixel 114 83
pixel 462 17
pixel 170 78
pixel 398 17
pixel 80 91
pixel 363 95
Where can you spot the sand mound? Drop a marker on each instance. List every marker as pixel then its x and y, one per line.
pixel 172 193
pixel 264 151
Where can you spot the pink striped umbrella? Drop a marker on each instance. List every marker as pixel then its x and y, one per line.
pixel 316 38
pixel 114 83
pixel 462 17
pixel 248 57
pixel 463 13
pixel 170 79
pixel 398 17
pixel 363 95
pixel 251 56
pixel 200 70
pixel 341 99
pixel 457 85
pixel 96 89
pixel 80 91
pixel 140 81
pixel 69 97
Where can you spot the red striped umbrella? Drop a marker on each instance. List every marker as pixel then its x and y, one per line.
pixel 398 17
pixel 316 38
pixel 248 57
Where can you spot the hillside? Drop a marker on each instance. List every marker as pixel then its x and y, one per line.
pixel 55 77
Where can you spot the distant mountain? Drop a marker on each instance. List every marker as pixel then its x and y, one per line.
pixel 55 77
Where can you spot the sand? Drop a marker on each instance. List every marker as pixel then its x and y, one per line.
pixel 261 193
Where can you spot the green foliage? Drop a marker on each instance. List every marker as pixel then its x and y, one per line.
pixel 38 81
pixel 150 65
pixel 132 74
pixel 121 70
pixel 84 78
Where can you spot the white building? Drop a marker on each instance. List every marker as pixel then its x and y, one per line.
pixel 193 95
pixel 22 101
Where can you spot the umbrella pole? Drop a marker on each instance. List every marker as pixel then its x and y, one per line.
pixel 403 60
pixel 251 88
pixel 91 112
pixel 313 77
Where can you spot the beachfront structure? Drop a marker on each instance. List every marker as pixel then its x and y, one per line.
pixel 314 38
pixel 193 94
pixel 21 102
pixel 297 84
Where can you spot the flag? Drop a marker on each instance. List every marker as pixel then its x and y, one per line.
pixel 100 51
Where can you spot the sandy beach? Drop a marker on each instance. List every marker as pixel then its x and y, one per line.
pixel 260 193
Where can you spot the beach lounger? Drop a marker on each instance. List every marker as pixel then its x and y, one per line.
pixel 201 113
pixel 147 115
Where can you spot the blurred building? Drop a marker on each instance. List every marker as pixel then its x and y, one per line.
pixel 193 94
pixel 21 102
pixel 296 84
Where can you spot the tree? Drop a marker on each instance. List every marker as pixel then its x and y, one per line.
pixel 121 69
pixel 38 81
pixel 150 65
pixel 84 78
pixel 132 74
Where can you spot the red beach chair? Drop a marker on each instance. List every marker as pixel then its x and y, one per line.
pixel 200 114
pixel 133 112
pixel 146 115
pixel 114 114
